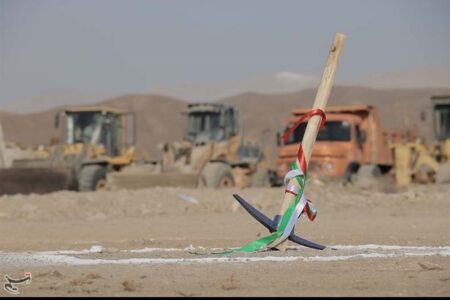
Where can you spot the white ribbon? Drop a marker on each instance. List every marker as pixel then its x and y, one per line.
pixel 290 226
pixel 298 208
pixel 291 174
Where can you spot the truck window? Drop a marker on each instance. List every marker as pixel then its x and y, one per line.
pixel 333 131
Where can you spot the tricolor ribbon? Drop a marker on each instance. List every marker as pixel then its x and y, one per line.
pixel 300 155
pixel 299 205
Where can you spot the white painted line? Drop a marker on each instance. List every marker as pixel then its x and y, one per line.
pixel 70 260
pixel 64 256
pixel 338 247
pixel 148 250
pixel 100 249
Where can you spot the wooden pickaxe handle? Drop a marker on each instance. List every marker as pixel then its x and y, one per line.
pixel 320 102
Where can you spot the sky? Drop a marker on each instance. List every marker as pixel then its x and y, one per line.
pixel 120 46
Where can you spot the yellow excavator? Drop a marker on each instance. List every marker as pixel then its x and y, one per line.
pixel 97 140
pixel 422 163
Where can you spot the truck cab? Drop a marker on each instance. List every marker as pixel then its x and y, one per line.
pixel 351 137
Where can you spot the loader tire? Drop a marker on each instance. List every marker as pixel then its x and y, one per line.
pixel 92 178
pixel 443 174
pixel 217 175
pixel 261 178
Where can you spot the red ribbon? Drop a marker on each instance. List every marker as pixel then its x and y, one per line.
pixel 290 131
pixel 308 211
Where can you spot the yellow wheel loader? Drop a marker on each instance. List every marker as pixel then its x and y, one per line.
pixel 422 163
pixel 213 153
pixel 97 140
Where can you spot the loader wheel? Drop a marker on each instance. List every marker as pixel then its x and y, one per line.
pixel 217 175
pixel 261 178
pixel 92 178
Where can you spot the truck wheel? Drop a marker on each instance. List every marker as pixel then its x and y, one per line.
pixel 217 175
pixel 92 178
pixel 350 172
pixel 261 178
pixel 443 174
pixel 367 176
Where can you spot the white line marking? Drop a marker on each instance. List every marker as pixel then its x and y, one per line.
pixel 70 260
pixel 349 252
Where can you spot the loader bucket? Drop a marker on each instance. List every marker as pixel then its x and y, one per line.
pixel 36 180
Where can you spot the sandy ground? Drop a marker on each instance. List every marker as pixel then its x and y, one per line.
pixel 154 242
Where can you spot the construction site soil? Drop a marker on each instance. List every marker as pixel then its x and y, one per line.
pixel 156 242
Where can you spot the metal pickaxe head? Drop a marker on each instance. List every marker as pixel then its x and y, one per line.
pixel 272 225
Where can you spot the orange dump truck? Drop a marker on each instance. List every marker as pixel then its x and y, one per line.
pixel 351 138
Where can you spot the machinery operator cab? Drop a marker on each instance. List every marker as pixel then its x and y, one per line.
pixel 211 125
pixel 96 128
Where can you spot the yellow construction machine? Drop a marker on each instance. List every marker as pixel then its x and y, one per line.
pixel 213 153
pixel 97 140
pixel 421 162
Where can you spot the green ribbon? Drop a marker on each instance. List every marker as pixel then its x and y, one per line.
pixel 267 240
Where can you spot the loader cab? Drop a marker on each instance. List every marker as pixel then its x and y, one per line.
pixel 441 117
pixel 94 126
pixel 211 122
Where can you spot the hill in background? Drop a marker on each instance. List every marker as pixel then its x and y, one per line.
pixel 283 82
pixel 159 117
